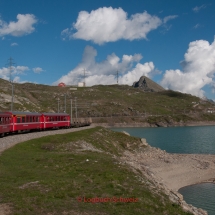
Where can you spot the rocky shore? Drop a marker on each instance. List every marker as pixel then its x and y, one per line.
pixel 157 124
pixel 170 172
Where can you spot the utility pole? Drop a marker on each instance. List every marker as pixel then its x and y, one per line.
pixel 76 107
pixel 58 107
pixel 84 79
pixel 10 64
pixel 71 112
pixel 65 103
pixel 117 77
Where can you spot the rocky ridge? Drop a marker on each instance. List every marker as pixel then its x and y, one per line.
pixel 147 85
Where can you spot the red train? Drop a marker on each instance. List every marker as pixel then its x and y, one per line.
pixel 14 122
pixel 4 123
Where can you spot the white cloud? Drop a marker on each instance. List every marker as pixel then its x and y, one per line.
pixel 139 70
pixel 197 9
pixel 197 26
pixel 104 72
pixel 18 70
pixel 5 73
pixel 109 25
pixel 23 26
pixel 167 18
pixel 198 69
pixel 14 44
pixel 38 70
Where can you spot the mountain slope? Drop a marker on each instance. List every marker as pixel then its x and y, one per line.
pixel 147 85
pixel 109 103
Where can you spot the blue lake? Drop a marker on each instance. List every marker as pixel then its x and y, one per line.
pixel 184 140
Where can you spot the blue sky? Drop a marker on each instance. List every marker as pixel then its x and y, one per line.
pixel 171 42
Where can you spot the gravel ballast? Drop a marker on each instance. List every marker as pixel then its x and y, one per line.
pixel 11 140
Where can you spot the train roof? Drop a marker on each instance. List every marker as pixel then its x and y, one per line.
pixel 24 113
pixel 33 113
pixel 55 114
pixel 3 113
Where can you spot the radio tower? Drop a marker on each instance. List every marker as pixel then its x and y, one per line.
pixel 84 78
pixel 117 77
pixel 10 64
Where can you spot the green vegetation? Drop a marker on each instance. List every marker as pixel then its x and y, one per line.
pixel 108 103
pixel 47 175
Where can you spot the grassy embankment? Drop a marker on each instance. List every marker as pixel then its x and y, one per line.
pixel 47 175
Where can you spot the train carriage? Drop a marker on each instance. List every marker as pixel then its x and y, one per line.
pixel 55 120
pixel 5 120
pixel 24 121
pixel 15 121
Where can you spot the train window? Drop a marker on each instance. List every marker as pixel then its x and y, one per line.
pixel 30 118
pixel 18 120
pixel 23 119
pixel 1 120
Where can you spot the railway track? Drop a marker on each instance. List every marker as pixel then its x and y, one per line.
pixel 11 140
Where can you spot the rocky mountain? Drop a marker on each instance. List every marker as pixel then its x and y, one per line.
pixel 147 85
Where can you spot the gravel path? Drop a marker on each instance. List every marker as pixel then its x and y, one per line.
pixel 11 140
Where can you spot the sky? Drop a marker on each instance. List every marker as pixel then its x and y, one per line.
pixel 53 41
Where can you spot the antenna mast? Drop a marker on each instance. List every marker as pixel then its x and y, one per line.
pixel 84 78
pixel 117 77
pixel 10 64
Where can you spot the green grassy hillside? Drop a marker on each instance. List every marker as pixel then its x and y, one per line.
pixel 58 174
pixel 113 103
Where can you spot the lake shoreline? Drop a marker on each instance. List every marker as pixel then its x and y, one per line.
pixel 170 171
pixel 161 124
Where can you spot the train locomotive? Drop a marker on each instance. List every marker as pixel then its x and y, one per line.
pixel 15 121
